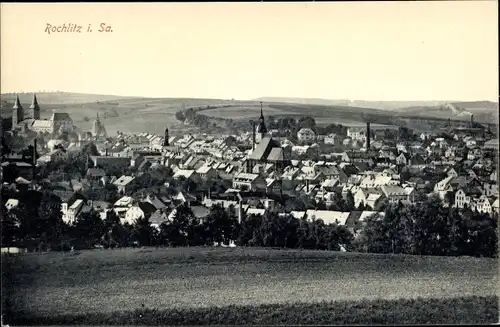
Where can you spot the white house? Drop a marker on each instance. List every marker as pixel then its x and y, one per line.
pixel 332 139
pixel 357 133
pixel 141 210
pixel 71 213
pixel 11 204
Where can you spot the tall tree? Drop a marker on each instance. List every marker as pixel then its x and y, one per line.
pixel 89 229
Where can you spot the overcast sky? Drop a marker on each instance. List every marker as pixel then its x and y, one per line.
pixel 365 51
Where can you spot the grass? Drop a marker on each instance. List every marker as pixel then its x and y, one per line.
pixel 103 283
pixel 463 310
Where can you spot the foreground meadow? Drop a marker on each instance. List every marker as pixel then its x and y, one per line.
pixel 100 283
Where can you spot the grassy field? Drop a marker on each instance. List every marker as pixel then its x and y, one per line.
pixel 108 281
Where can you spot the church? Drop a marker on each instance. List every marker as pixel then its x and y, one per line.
pixel 265 149
pixel 59 121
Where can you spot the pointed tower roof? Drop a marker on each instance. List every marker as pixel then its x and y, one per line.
pixel 34 103
pixel 261 128
pixel 17 104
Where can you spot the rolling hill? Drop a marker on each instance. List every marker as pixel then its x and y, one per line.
pixel 483 111
pixel 139 114
pixel 381 105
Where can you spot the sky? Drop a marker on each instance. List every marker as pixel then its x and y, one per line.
pixel 383 51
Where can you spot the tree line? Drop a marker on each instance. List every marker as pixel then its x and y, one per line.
pixel 428 229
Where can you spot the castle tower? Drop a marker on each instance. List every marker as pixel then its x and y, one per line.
pixel 261 127
pixel 17 112
pixel 165 141
pixel 35 108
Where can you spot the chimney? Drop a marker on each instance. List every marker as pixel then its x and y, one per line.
pixel 34 152
pixel 253 136
pixel 471 120
pixel 368 136
pixel 106 152
pixel 34 159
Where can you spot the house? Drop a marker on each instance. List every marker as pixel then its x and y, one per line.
pixel 182 197
pixel 141 210
pixel 357 133
pixel 95 174
pixel 207 172
pixel 273 186
pixel 425 136
pixel 417 161
pixel 306 135
pixel 401 159
pixel 491 145
pixel 483 204
pixel 52 156
pixel 69 216
pixel 451 172
pixel 494 206
pixel 187 174
pixel 124 184
pixel 331 172
pixel 444 186
pixel 395 193
pixel 327 216
pixel 332 139
pixel 157 203
pixel 248 181
pixel 368 197
pixel 464 197
pixel 11 204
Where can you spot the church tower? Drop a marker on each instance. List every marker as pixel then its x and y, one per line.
pixel 35 108
pixel 17 112
pixel 261 127
pixel 165 141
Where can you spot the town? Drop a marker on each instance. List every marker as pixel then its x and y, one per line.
pixel 153 187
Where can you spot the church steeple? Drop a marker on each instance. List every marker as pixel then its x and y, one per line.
pixel 261 127
pixel 17 112
pixel 35 108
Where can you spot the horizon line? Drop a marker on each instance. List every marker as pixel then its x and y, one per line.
pixel 235 99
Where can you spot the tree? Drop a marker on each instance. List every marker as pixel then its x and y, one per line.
pixel 306 122
pixel 176 232
pixel 49 228
pixel 90 149
pixel 10 226
pixel 113 230
pixel 349 201
pixel 143 232
pixel 220 226
pixel 89 230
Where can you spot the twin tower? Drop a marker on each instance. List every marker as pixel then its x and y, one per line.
pixel 18 111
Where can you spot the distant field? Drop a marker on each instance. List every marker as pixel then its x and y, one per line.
pixel 322 115
pixel 122 280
